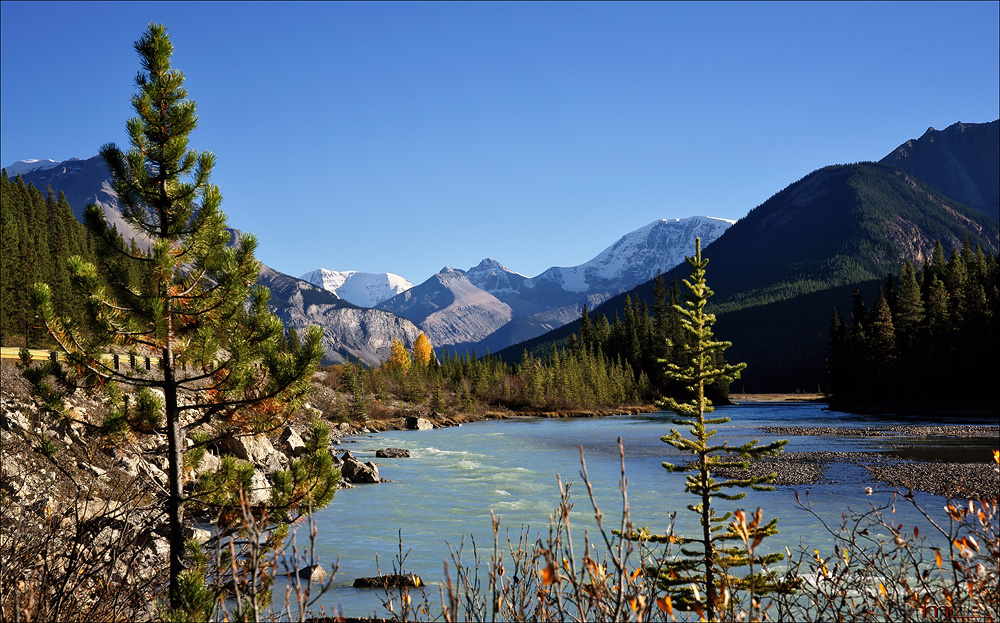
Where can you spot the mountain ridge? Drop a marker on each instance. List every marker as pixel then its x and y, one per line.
pixel 962 162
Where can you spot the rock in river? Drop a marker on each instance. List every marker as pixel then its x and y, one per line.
pixel 392 453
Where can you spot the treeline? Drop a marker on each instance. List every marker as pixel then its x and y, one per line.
pixel 454 382
pixel 929 337
pixel 38 233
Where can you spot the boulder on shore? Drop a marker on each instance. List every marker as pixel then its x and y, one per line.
pixel 291 443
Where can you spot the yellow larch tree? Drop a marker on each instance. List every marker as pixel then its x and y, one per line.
pixel 399 358
pixel 422 350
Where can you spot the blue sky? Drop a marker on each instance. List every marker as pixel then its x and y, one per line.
pixel 404 137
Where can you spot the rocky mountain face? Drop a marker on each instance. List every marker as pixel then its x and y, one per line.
pixel 362 289
pixel 466 312
pixel 451 309
pixel 349 331
pixel 961 162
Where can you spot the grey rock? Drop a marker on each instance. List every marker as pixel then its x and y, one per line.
pixel 210 464
pixel 260 488
pixel 313 573
pixel 358 472
pixel 254 448
pixel 291 443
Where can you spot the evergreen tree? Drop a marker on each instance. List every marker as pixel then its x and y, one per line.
pixel 196 305
pixel 708 563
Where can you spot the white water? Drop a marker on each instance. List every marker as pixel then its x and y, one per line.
pixel 456 476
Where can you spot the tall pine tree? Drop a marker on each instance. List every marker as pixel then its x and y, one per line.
pixel 195 305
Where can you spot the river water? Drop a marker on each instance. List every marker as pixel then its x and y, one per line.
pixel 456 476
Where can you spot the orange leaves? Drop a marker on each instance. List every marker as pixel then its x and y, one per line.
pixel 549 574
pixel 665 604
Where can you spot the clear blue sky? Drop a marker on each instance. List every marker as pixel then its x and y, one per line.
pixel 403 137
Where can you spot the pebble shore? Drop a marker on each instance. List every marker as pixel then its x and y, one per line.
pixel 956 480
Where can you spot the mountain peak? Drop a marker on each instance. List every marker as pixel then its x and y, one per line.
pixel 31 164
pixel 960 161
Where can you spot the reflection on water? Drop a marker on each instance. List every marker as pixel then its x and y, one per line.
pixel 456 476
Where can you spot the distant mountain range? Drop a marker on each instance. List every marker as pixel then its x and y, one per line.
pixel 490 306
pixel 349 331
pixel 777 272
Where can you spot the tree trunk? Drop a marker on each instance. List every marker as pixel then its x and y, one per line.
pixel 175 460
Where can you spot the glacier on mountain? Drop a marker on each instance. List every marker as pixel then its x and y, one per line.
pixel 361 289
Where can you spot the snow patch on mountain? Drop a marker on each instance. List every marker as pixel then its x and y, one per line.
pixel 32 164
pixel 492 276
pixel 362 289
pixel 638 256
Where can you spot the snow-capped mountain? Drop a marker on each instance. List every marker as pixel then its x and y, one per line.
pixel 362 289
pixel 637 257
pixel 27 166
pixel 349 332
pixel 459 307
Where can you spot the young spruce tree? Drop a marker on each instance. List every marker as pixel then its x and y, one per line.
pixel 191 303
pixel 707 559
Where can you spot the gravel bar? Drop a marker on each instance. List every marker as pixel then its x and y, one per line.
pixel 947 430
